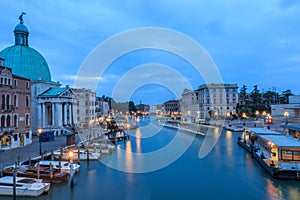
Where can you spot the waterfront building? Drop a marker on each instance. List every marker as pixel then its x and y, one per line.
pixel 57 107
pixel 27 62
pixel 190 105
pixel 142 109
pixel 85 106
pixel 217 100
pixel 15 113
pixel 293 130
pixel 172 107
pixel 293 108
pixel 101 107
pixel 156 109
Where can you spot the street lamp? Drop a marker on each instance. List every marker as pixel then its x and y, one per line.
pixel 268 120
pixel 286 114
pixel 244 118
pixel 228 117
pixel 256 114
pixel 40 130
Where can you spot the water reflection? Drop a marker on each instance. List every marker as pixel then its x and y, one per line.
pixel 229 143
pixel 138 140
pixel 128 156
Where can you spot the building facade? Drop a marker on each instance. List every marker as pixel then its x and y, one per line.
pixel 190 105
pixel 101 107
pixel 57 110
pixel 85 106
pixel 172 107
pixel 142 109
pixel 292 108
pixel 217 100
pixel 15 113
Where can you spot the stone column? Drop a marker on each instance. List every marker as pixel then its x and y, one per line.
pixel 53 114
pixel 65 113
pixel 43 115
pixel 70 113
pixel 74 112
pixel 59 115
pixel 39 115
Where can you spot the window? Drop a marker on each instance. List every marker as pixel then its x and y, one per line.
pixel 15 82
pixel 15 137
pixel 15 100
pixel 27 120
pixel 8 121
pixel 27 101
pixel 27 84
pixel 15 123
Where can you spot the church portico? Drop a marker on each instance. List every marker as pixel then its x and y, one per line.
pixel 55 110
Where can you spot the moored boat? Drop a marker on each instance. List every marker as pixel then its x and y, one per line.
pixel 63 165
pixel 25 186
pixel 45 173
pixel 82 155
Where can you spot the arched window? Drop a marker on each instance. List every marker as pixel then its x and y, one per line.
pixel 15 120
pixel 27 101
pixel 15 100
pixel 8 120
pixel 3 102
pixel 2 121
pixel 7 101
pixel 27 120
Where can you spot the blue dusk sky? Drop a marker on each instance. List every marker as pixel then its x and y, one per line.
pixel 251 42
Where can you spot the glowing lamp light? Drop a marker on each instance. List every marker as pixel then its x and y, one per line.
pixel 71 154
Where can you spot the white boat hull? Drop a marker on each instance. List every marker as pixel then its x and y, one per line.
pixel 26 190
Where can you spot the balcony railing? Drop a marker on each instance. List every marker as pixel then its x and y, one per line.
pixel 7 107
pixel 7 129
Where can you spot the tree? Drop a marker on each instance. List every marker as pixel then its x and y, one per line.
pixel 284 97
pixel 132 107
pixel 256 100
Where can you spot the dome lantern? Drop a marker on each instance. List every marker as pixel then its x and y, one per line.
pixel 24 60
pixel 21 32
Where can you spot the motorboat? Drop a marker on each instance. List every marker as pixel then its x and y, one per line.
pixel 82 154
pixel 25 186
pixel 45 173
pixel 63 165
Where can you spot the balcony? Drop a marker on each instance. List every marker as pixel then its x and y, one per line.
pixel 6 108
pixel 8 129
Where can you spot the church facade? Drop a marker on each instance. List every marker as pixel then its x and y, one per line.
pixel 53 108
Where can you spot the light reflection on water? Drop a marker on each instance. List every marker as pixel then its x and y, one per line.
pixel 228 172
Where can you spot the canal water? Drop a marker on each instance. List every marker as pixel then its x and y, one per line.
pixel 227 172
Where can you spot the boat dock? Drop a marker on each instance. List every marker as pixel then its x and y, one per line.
pixel 278 154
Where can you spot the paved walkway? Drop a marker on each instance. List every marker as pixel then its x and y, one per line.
pixel 11 156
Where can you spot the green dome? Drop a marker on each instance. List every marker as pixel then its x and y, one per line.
pixel 24 60
pixel 27 62
pixel 21 27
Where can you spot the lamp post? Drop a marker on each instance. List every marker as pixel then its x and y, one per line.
pixel 228 117
pixel 256 114
pixel 286 114
pixel 244 119
pixel 268 119
pixel 40 130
